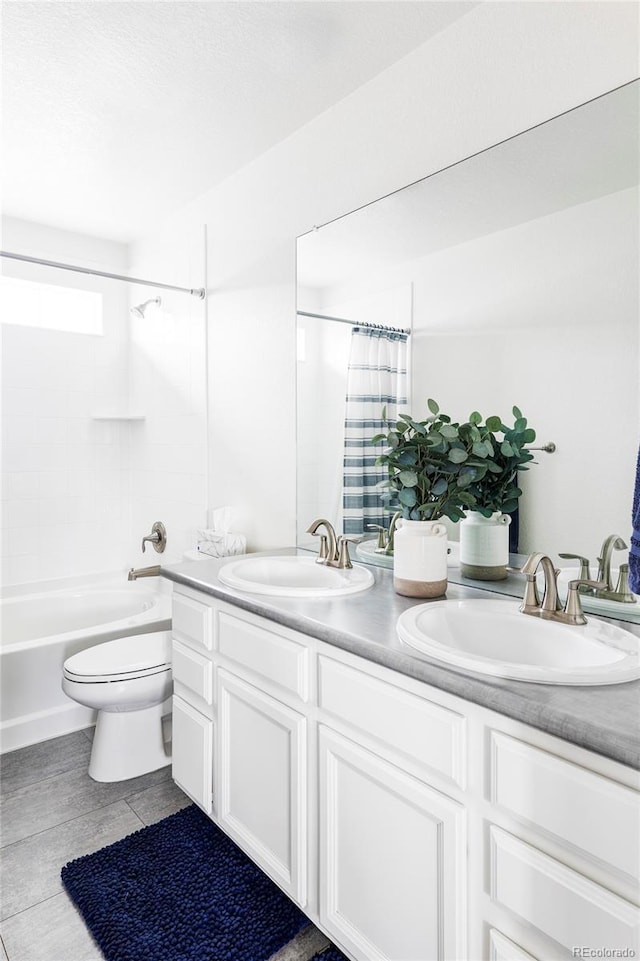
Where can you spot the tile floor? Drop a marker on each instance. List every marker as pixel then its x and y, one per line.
pixel 52 812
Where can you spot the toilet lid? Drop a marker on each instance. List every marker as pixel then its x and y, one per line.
pixel 127 657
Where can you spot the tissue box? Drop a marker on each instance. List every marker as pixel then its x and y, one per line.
pixel 221 544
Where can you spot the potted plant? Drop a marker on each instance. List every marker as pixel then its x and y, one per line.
pixel 432 465
pixel 484 532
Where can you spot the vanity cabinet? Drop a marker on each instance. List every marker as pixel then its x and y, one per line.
pixel 262 780
pixel 392 858
pixel 408 823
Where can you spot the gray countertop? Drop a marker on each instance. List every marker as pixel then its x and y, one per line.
pixel 604 718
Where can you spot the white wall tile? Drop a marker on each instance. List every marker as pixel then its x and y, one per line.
pixel 20 484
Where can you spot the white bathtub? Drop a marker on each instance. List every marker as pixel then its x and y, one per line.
pixel 40 630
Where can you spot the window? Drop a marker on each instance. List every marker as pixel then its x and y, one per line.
pixel 32 304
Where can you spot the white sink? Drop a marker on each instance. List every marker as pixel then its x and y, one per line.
pixel 293 577
pixel 494 637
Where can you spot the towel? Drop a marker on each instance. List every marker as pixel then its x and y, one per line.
pixel 634 553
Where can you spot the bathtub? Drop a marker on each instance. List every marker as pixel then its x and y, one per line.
pixel 40 630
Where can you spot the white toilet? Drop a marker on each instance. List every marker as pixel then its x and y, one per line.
pixel 128 682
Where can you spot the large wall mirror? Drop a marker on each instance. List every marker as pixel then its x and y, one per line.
pixel 516 273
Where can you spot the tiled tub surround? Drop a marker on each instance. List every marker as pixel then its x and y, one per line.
pixel 506 814
pixel 41 629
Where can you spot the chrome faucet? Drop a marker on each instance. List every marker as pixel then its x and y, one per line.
pixel 551 609
pixel 157 537
pixel 334 551
pixel 135 573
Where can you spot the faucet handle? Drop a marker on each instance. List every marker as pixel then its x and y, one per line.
pixel 531 600
pixel 158 538
pixel 382 535
pixel 622 588
pixel 573 609
pixel 323 553
pixel 585 572
pixel 344 561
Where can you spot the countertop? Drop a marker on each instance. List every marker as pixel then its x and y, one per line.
pixel 603 718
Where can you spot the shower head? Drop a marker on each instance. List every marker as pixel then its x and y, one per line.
pixel 140 309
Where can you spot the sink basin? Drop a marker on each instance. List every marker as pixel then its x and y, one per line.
pixel 293 577
pixel 493 637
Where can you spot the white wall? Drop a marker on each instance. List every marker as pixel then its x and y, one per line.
pixel 65 476
pixel 168 368
pixel 495 72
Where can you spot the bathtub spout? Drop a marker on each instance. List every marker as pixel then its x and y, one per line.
pixel 134 573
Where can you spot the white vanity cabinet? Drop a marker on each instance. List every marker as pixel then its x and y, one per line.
pixel 409 824
pixel 262 780
pixel 193 699
pixel 392 858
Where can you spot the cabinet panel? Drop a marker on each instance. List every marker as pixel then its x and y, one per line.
pixel 593 813
pixel 392 859
pixel 191 621
pixel 192 750
pixel 265 652
pixel 262 780
pixel 561 903
pixel 419 728
pixel 503 949
pixel 192 671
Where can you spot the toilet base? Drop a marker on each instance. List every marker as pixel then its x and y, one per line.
pixel 128 744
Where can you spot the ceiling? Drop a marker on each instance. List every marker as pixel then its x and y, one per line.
pixel 116 113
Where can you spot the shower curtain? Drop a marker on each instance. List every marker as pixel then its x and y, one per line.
pixel 377 376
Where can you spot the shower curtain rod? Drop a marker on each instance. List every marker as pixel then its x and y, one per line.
pixel 198 292
pixel 354 323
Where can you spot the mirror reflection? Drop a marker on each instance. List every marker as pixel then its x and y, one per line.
pixel 514 275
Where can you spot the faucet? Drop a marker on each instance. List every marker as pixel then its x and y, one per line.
pixel 611 544
pixel 550 602
pixel 392 532
pixel 386 536
pixel 135 573
pixel 551 609
pixel 157 537
pixel 334 551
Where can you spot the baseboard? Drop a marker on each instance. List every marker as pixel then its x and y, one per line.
pixel 43 725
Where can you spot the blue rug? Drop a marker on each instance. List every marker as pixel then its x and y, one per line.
pixel 181 890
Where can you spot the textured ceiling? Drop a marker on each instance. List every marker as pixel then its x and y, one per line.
pixel 115 113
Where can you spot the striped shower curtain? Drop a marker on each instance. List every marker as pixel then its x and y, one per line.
pixel 377 376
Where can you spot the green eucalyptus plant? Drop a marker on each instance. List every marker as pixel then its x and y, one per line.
pixel 438 467
pixel 497 489
pixel 431 465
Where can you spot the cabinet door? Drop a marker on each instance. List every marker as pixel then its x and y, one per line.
pixel 262 781
pixel 392 859
pixel 192 753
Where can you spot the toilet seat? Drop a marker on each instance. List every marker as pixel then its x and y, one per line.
pixel 125 658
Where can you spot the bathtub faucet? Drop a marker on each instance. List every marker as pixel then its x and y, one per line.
pixel 134 573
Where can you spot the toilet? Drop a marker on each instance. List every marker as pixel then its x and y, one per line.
pixel 129 682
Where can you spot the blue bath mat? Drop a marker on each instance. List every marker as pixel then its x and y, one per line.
pixel 181 890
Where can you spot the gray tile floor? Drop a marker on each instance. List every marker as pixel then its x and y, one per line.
pixel 52 812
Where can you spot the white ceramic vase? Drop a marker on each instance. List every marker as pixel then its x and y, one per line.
pixel 420 558
pixel 484 546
